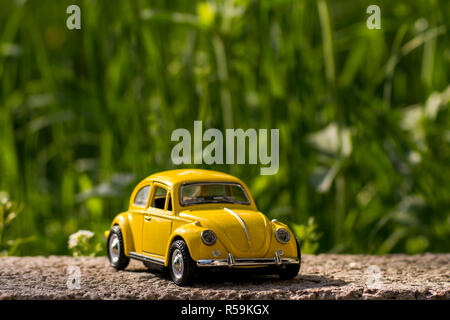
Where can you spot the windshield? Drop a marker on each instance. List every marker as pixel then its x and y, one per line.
pixel 212 192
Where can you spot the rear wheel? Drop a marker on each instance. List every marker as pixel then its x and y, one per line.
pixel 181 266
pixel 116 251
pixel 289 271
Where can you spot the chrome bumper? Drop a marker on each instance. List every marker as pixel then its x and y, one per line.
pixel 248 262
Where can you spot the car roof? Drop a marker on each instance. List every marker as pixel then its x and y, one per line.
pixel 173 177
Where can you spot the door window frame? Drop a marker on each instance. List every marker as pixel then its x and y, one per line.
pixel 166 203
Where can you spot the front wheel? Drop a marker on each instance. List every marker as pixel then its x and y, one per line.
pixel 116 251
pixel 289 271
pixel 181 266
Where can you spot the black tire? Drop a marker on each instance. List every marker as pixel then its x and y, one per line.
pixel 290 271
pixel 116 255
pixel 182 268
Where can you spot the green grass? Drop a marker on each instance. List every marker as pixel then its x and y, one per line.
pixel 84 115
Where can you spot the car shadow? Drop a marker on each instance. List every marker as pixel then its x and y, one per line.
pixel 255 280
pixel 259 281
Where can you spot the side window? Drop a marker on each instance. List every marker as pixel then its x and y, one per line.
pixel 141 197
pixel 159 199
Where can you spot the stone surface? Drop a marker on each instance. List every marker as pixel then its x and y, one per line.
pixel 324 276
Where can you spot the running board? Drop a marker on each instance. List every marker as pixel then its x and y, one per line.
pixel 145 258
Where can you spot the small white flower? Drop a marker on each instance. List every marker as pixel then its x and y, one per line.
pixel 78 237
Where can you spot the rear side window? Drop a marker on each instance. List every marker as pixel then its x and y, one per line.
pixel 141 197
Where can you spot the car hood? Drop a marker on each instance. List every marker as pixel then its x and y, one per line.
pixel 244 233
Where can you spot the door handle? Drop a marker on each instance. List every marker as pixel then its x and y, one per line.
pixel 147 218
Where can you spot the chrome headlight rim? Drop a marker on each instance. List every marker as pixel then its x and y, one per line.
pixel 282 235
pixel 209 238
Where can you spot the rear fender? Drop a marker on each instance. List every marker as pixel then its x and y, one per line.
pixel 123 220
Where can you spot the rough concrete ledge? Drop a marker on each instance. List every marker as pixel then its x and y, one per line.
pixel 324 276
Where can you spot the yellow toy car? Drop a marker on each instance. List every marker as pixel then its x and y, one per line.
pixel 184 220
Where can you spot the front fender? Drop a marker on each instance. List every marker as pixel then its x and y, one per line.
pixel 289 249
pixel 123 220
pixel 191 234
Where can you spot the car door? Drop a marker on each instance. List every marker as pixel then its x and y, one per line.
pixel 138 209
pixel 157 225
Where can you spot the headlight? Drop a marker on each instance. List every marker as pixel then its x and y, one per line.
pixel 282 235
pixel 208 237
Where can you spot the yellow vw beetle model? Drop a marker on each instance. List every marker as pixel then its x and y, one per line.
pixel 184 220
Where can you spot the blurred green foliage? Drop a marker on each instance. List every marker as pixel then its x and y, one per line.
pixel 363 114
pixel 9 211
pixel 308 236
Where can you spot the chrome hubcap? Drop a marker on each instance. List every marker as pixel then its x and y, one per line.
pixel 177 264
pixel 114 248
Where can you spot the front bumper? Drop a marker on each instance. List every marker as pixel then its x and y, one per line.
pixel 248 262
